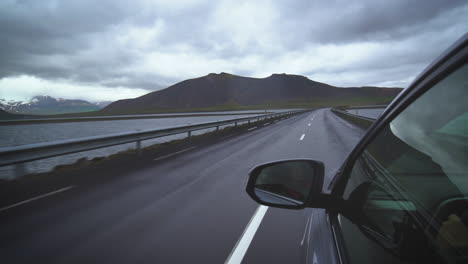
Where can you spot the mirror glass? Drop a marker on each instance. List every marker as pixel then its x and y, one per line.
pixel 286 183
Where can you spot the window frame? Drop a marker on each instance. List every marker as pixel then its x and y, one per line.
pixel 452 59
pixel 444 66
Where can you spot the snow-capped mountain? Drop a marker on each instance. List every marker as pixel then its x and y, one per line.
pixel 46 105
pixel 10 105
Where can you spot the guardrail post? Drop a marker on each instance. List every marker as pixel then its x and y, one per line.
pixel 20 170
pixel 248 122
pixel 235 124
pixel 138 147
pixel 217 128
pixel 189 136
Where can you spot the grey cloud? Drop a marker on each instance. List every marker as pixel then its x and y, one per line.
pixel 56 39
pixel 347 21
pixel 34 30
pixel 31 29
pixel 144 82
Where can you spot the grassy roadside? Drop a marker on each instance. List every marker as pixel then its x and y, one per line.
pixel 314 102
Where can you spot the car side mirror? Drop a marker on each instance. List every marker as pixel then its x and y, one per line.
pixel 292 184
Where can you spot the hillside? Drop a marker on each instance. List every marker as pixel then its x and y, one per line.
pixel 227 91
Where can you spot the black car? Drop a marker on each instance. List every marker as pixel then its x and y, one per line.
pixel 402 194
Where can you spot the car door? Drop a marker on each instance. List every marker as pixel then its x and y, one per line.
pixel 407 181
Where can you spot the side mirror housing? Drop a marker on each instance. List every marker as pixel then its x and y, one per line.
pixel 292 184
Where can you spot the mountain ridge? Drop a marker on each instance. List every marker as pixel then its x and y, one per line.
pixel 226 90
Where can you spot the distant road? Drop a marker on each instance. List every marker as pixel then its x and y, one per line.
pixel 190 207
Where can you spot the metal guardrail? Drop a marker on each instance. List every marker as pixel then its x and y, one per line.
pixel 31 152
pixel 361 121
pixel 353 115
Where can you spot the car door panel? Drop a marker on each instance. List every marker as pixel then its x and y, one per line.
pixel 318 244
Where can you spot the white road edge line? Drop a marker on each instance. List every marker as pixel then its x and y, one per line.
pixel 266 124
pixel 251 128
pixel 175 153
pixel 302 137
pixel 238 253
pixel 306 229
pixel 36 198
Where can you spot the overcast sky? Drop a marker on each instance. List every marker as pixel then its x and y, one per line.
pixel 109 50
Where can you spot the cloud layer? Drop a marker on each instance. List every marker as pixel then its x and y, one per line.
pixel 108 50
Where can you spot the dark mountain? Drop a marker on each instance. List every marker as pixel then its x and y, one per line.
pixel 46 105
pixel 222 91
pixel 8 116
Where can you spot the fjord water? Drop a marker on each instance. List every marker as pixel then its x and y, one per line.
pixel 15 135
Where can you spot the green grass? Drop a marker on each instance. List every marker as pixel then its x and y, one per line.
pixel 232 106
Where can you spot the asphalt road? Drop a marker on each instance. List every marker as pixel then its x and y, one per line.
pixel 187 208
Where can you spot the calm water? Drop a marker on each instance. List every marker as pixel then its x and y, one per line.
pixel 175 114
pixel 367 112
pixel 36 133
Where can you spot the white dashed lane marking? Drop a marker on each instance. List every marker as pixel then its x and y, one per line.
pixel 243 243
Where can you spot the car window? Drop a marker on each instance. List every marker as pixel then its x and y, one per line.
pixel 410 184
